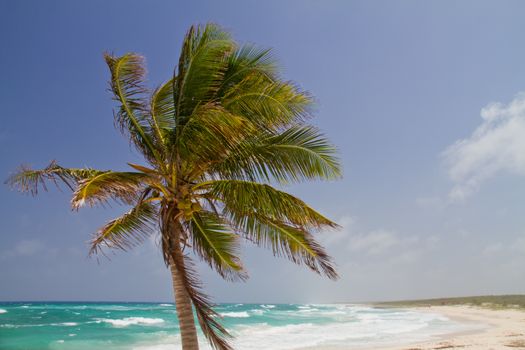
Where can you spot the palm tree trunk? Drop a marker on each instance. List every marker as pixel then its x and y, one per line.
pixel 171 246
pixel 188 330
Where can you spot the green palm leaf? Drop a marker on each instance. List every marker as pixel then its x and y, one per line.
pixel 120 186
pixel 127 230
pixel 248 60
pixel 286 240
pixel 211 134
pixel 29 180
pixel 133 118
pixel 244 197
pixel 201 68
pixel 215 244
pixel 269 104
pixel 163 111
pixel 296 154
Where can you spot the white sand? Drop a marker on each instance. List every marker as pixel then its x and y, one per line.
pixel 504 329
pixel 492 330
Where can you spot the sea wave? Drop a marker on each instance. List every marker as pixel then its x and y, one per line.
pixel 62 324
pixel 128 321
pixel 7 325
pixel 257 312
pixel 262 336
pixel 165 304
pixel 67 324
pixel 292 336
pixel 255 326
pixel 2 311
pixel 240 314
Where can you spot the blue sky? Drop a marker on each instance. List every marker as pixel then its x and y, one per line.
pixel 422 99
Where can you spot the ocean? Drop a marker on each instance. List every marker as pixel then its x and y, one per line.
pixel 153 326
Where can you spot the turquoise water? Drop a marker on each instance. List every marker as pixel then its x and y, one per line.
pixel 153 326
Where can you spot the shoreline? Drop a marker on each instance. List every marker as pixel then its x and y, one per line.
pixel 500 328
pixel 497 329
pixel 487 329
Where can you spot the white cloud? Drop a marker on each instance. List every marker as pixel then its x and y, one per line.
pixel 24 248
pixel 519 245
pixel 496 146
pixel 28 247
pixel 351 243
pixel 335 237
pixel 373 243
pixel 493 249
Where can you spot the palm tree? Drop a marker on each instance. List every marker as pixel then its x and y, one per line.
pixel 213 137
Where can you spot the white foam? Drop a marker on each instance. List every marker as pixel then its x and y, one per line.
pixel 165 304
pixel 68 324
pixel 257 312
pixel 309 310
pixel 62 324
pixel 345 326
pixel 268 306
pixel 240 314
pixel 2 311
pixel 7 325
pixel 128 321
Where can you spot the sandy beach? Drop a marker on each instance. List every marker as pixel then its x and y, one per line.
pixel 499 329
pixel 488 329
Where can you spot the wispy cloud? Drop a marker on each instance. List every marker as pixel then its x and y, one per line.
pixel 496 146
pixel 514 247
pixel 24 248
pixel 373 243
pixel 350 243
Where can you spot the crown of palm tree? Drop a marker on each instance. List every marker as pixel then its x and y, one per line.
pixel 214 137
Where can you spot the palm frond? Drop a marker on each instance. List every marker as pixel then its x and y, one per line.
pixel 296 154
pixel 211 133
pixel 248 60
pixel 244 197
pixel 216 334
pixel 144 169
pixel 29 180
pixel 128 230
pixel 123 187
pixel 133 118
pixel 292 242
pixel 269 104
pixel 163 112
pixel 201 68
pixel 215 244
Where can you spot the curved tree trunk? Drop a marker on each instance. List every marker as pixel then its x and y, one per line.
pixel 183 304
pixel 174 255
